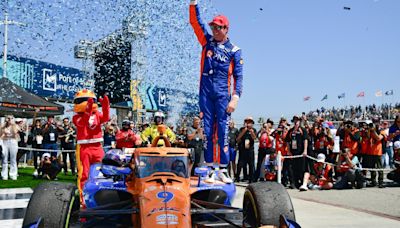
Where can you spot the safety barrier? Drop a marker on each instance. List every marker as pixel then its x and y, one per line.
pixel 279 158
pixel 50 150
pixel 45 150
pixel 24 164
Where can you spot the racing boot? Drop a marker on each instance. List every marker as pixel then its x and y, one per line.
pixel 224 176
pixel 211 177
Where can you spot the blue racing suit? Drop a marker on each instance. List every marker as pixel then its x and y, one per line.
pixel 219 62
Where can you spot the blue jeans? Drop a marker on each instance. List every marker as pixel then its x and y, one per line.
pixel 389 152
pixel 51 146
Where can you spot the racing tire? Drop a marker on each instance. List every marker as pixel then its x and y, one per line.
pixel 53 203
pixel 264 203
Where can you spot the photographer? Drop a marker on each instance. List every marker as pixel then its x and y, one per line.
pixel 265 147
pixel 347 171
pixel 49 167
pixel 364 154
pixel 245 139
pixel 67 138
pixel 297 140
pixel 377 137
pixel 50 136
pixel 351 137
pixel 35 138
pixel 280 146
pixel 323 139
pixel 232 135
pixel 195 137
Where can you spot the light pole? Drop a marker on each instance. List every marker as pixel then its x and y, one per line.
pixel 136 27
pixel 85 51
pixel 6 22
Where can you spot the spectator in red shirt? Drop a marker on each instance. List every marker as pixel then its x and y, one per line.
pixel 322 175
pixel 125 137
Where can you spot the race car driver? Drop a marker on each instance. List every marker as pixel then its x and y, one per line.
pixel 220 60
pixel 151 132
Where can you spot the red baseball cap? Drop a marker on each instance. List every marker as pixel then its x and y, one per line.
pixel 220 20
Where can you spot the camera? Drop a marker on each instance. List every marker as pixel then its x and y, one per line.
pixel 371 125
pixel 348 125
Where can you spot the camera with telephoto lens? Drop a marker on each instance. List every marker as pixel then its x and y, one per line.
pixel 348 125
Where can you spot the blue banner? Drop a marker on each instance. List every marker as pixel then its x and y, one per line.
pixel 45 79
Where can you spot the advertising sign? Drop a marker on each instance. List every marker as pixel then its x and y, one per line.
pixel 46 79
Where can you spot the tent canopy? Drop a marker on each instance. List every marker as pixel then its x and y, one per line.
pixel 14 100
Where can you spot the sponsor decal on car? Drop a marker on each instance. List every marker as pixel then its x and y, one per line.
pixel 163 209
pixel 167 219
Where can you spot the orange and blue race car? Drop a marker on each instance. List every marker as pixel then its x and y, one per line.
pixel 152 187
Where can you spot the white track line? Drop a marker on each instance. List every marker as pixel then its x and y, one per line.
pixel 11 223
pixel 15 190
pixel 11 204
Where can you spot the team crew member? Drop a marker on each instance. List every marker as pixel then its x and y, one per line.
pixel 88 121
pixel 125 137
pixel 220 60
pixel 151 132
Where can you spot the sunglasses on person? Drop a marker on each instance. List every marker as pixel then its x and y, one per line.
pixel 83 99
pixel 217 27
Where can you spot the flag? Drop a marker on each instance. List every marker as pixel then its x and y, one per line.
pixel 340 96
pixel 325 97
pixel 361 94
pixel 389 92
pixel 378 93
pixel 306 98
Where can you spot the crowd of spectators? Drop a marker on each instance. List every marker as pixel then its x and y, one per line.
pixel 42 135
pixel 318 155
pixel 384 111
pixel 326 156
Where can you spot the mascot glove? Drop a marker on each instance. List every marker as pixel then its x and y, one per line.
pixel 104 101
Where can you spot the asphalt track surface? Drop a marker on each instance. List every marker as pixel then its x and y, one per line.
pixel 369 207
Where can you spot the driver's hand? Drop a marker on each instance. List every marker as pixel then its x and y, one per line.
pixel 233 104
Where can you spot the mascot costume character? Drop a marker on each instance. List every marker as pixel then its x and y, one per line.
pixel 88 121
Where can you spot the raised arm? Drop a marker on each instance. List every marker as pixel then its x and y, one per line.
pixel 197 24
pixel 105 107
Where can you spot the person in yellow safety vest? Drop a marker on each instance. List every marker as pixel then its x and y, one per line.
pixel 151 132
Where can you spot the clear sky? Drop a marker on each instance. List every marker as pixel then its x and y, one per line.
pixel 298 48
pixel 292 48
